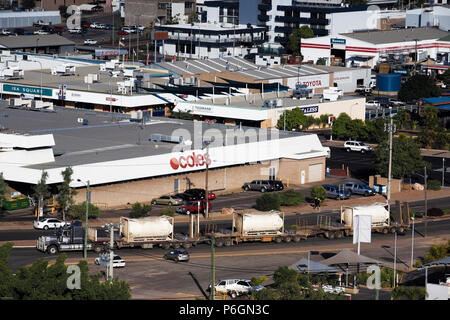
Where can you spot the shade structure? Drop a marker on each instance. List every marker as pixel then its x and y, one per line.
pixel 314 267
pixel 441 262
pixel 348 257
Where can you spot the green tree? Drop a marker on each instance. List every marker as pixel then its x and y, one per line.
pixel 6 275
pixel 346 128
pixel 182 115
pixel 193 18
pixel 268 202
pixel 140 210
pixel 319 192
pixel 437 252
pixel 409 293
pixel 41 190
pixel 78 211
pixel 3 190
pixel 295 120
pixel 291 198
pixel 432 133
pixel 417 87
pixel 296 37
pixel 406 157
pixel 375 130
pixel 168 211
pixel 65 192
pixel 446 77
pixel 403 119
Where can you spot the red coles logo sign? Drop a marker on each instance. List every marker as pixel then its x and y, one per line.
pixel 193 160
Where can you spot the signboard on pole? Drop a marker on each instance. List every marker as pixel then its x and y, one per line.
pixel 362 229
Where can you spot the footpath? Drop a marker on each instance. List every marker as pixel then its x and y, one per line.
pixel 304 208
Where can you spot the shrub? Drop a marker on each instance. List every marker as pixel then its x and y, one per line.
pixel 435 212
pixel 268 202
pixel 140 210
pixel 291 198
pixel 319 192
pixel 168 211
pixel 78 211
pixel 433 185
pixel 409 293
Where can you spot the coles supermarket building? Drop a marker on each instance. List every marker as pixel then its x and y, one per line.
pixel 126 162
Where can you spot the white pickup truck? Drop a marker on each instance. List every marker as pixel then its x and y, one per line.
pixel 236 287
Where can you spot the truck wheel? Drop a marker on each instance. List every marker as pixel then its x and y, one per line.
pixel 287 239
pixel 362 151
pixel 52 249
pixel 176 245
pixel 392 230
pixel 278 240
pixel 339 235
pixel 165 246
pixel 228 243
pixel 98 249
pixel 330 235
pixel 297 239
pixel 384 231
pixel 401 229
pixel 219 243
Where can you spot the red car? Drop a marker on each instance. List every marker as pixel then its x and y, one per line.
pixel 59 29
pixel 122 33
pixel 193 207
pixel 86 25
pixel 211 196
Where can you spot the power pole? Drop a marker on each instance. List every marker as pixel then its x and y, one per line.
pixel 390 128
pixel 111 253
pixel 213 275
pixel 206 184
pixel 443 171
pixel 426 209
pixel 137 33
pixel 88 196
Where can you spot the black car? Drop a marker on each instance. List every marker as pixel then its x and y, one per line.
pixel 184 196
pixel 277 184
pixel 197 194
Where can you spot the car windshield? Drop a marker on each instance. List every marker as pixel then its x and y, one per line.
pixel 361 144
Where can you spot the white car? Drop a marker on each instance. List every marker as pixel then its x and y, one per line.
pixel 373 103
pixel 103 260
pixel 50 223
pixel 40 32
pixel 90 41
pixel 357 146
pixel 6 32
pixel 128 30
pixel 236 287
pixel 330 289
pixel 75 30
pixel 396 102
pixel 94 25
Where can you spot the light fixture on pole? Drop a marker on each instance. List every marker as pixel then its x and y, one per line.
pixel 412 243
pixel 88 196
pixel 206 145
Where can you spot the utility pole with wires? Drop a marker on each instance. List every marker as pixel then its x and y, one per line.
pixel 390 128
pixel 213 270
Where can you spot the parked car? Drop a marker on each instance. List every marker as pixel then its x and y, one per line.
pixel 85 24
pixel 259 185
pixel 177 255
pixel 335 192
pixel 40 23
pixel 122 33
pixel 193 207
pixel 75 30
pixel 359 188
pixel 396 102
pixel 50 223
pixel 128 30
pixel 6 32
pixel 94 25
pixel 277 184
pixel 331 289
pixel 185 197
pixel 235 287
pixel 357 146
pixel 103 259
pixel 59 29
pixel 199 194
pixel 168 200
pixel 90 42
pixel 41 32
pixel 373 103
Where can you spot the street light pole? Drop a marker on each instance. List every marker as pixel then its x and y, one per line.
pixel 443 171
pixel 395 256
pixel 412 243
pixel 87 214
pixel 390 159
pixel 426 204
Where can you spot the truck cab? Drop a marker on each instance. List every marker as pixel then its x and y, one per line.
pixel 67 238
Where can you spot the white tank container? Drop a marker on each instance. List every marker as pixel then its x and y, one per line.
pixel 246 223
pixel 380 216
pixel 146 228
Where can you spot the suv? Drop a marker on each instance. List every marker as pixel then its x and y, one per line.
pixel 235 287
pixel 193 207
pixel 199 194
pixel 335 192
pixel 357 146
pixel 276 184
pixel 259 185
pixel 359 188
pixel 177 255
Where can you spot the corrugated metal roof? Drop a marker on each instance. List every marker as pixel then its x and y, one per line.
pixel 399 35
pixel 31 41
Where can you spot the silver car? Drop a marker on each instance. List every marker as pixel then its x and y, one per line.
pixel 177 255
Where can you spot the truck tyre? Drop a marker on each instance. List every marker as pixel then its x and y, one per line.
pixel 219 243
pixel 401 229
pixel 339 235
pixel 392 230
pixel 330 235
pixel 165 246
pixel 384 231
pixel 52 249
pixel 362 151
pixel 98 248
pixel 278 240
pixel 228 243
pixel 287 239
pixel 297 239
pixel 176 245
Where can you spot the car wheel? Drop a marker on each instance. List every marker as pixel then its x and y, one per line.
pixel 362 151
pixel 233 294
pixel 97 262
pixel 366 194
pixel 170 203
pixel 348 149
pixel 188 212
pixel 177 260
pixel 46 227
pixel 263 189
pixel 154 202
pixel 246 188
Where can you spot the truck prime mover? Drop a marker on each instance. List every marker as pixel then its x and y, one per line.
pixel 246 227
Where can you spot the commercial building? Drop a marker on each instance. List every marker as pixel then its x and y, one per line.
pixel 371 45
pixel 48 44
pixel 147 12
pixel 54 4
pixel 18 19
pixel 265 110
pixel 124 163
pixel 209 41
pixel 436 16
